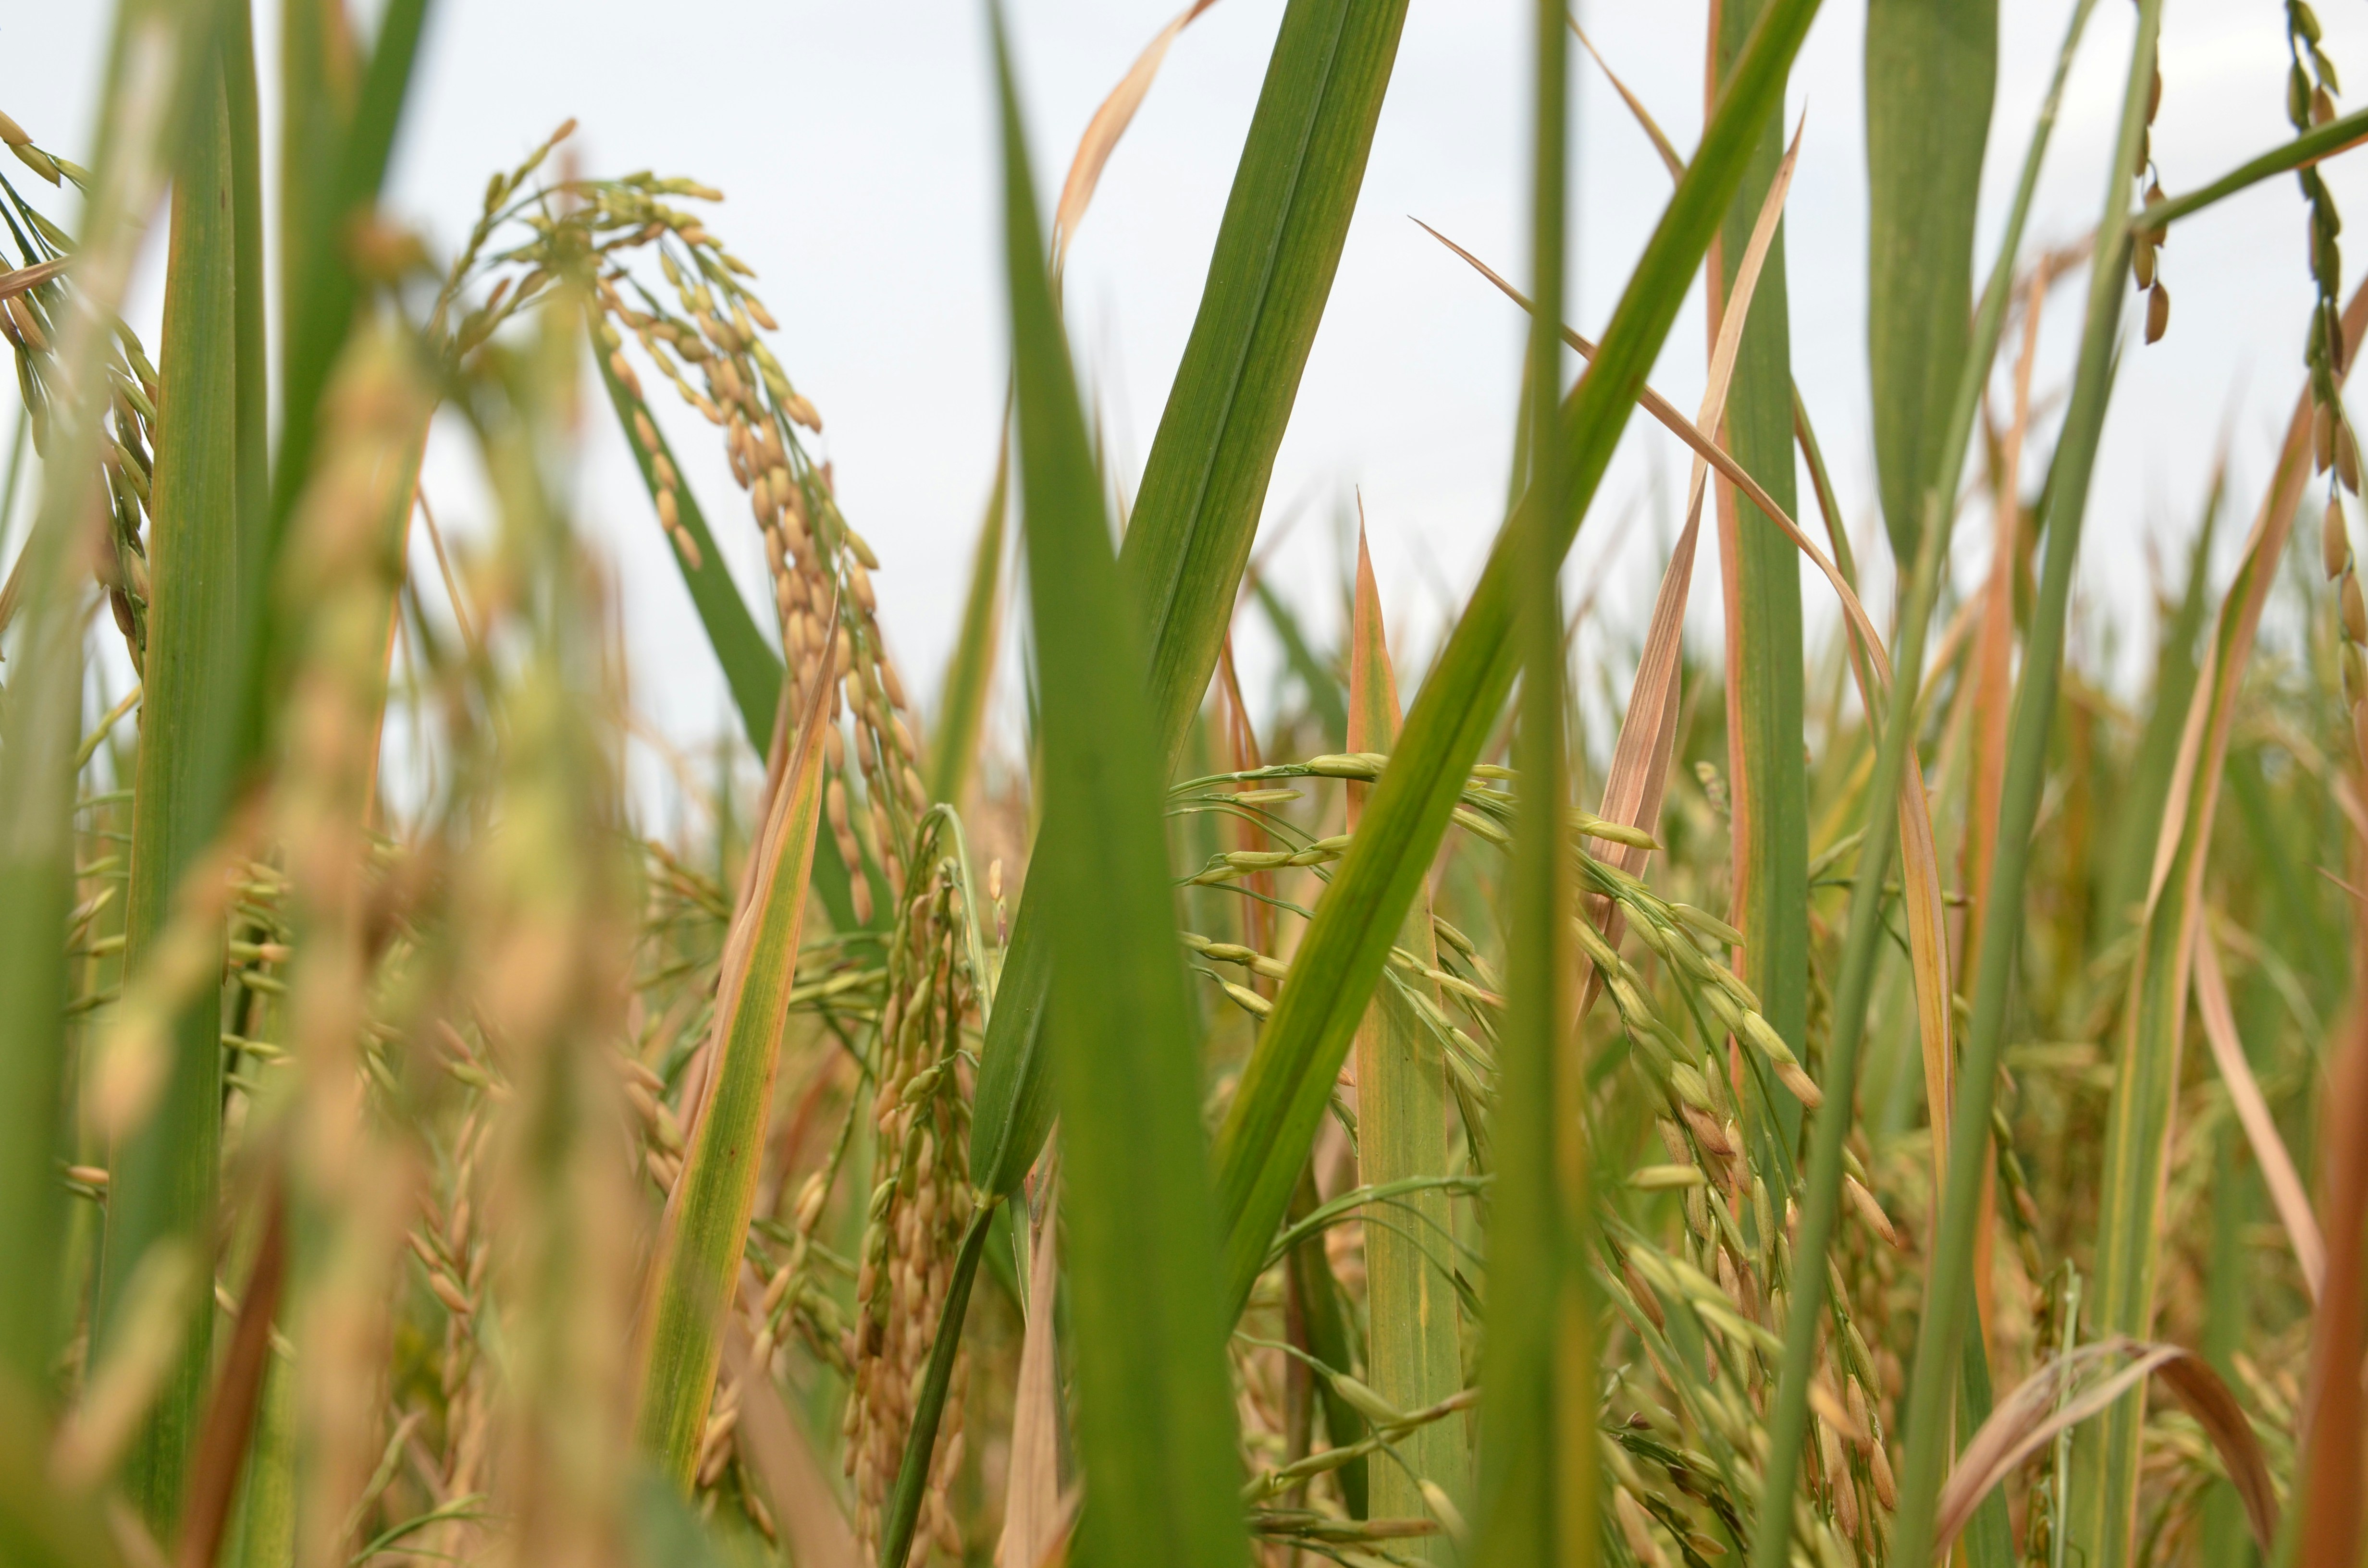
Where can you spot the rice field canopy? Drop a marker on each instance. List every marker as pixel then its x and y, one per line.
pixel 1834 1097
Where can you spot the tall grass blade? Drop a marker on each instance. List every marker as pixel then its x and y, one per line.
pixel 1930 1413
pixel 1937 1351
pixel 1206 479
pixel 320 75
pixel 1284 1086
pixel 1537 1445
pixel 1155 1430
pixel 158 65
pixel 706 1223
pixel 40 728
pixel 1771 783
pixel 320 285
pixel 969 668
pixel 321 293
pixel 2144 1109
pixel 1412 1357
pixel 1932 72
pixel 206 565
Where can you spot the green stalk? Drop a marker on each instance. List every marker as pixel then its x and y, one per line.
pixel 1774 787
pixel 40 730
pixel 206 592
pixel 1862 936
pixel 2147 784
pixel 1948 1284
pixel 1155 1432
pixel 1539 1440
pixel 962 702
pixel 1205 480
pixel 318 72
pixel 2319 141
pixel 39 721
pixel 1287 1080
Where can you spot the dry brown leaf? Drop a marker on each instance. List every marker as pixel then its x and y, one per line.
pixel 2028 1418
pixel 2286 1189
pixel 2197 1386
pixel 1670 159
pixel 803 1502
pixel 1109 123
pixel 2328 1471
pixel 1640 758
pixel 1035 1514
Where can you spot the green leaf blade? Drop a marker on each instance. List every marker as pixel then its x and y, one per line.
pixel 206 570
pixel 1156 1429
pixel 1188 541
pixel 1932 72
pixel 707 1218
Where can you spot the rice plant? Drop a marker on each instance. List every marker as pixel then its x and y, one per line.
pixel 1369 1129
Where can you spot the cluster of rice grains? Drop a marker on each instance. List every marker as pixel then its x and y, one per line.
pixel 1702 1323
pixel 814 559
pixel 705 338
pixel 34 304
pixel 922 1203
pixel 2311 86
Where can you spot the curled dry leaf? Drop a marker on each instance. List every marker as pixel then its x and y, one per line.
pixel 2028 1418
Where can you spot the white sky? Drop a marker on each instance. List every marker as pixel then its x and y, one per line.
pixel 854 143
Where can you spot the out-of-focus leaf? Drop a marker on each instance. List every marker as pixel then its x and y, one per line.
pixel 207 566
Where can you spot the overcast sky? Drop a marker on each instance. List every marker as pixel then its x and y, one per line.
pixel 853 142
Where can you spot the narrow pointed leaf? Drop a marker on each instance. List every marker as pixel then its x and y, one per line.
pixel 1412 1360
pixel 1931 70
pixel 1206 479
pixel 706 1223
pixel 1155 1430
pixel 205 574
